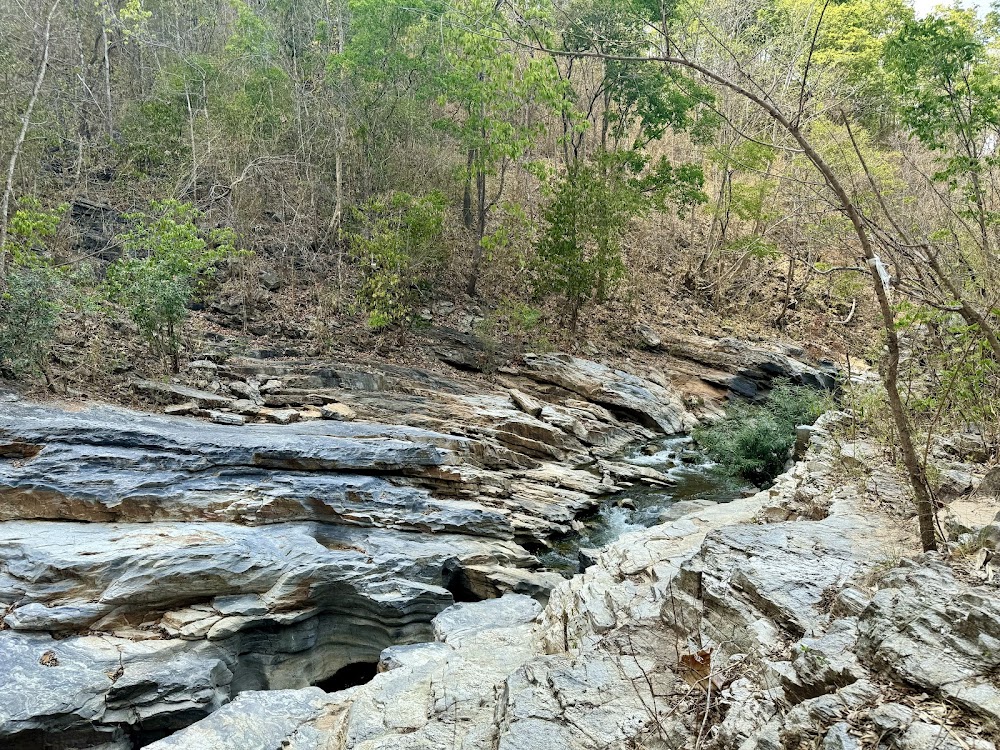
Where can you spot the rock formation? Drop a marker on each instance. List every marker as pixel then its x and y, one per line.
pixel 718 629
pixel 153 567
pixel 162 572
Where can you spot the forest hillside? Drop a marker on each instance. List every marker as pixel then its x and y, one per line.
pixel 518 374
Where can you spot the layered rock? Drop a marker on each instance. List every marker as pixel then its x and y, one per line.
pixel 716 629
pixel 738 366
pixel 152 568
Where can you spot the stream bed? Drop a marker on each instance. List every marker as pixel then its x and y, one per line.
pixel 641 506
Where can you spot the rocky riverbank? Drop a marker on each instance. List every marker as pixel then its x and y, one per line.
pixel 161 570
pixel 725 628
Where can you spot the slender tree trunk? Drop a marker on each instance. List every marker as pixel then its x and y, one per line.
pixel 981 211
pixel 109 114
pixel 194 151
pixel 15 152
pixel 779 322
pixel 467 216
pixel 341 135
pixel 82 111
pixel 477 251
pixel 911 460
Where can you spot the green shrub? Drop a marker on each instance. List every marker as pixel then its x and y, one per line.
pixel 29 312
pixel 397 242
pixel 580 251
pixel 165 259
pixel 754 440
pixel 31 297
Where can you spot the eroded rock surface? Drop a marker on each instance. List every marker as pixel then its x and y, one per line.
pixel 774 626
pixel 154 567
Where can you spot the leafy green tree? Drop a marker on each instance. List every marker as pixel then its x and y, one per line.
pixel 377 71
pixel 164 261
pixel 947 78
pixel 32 299
pixel 397 242
pixel 610 178
pixel 849 45
pixel 584 225
pixel 949 87
pixel 492 91
pixel 29 310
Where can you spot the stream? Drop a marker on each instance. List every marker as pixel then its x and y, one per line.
pixel 641 506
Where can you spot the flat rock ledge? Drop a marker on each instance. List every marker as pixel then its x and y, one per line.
pixel 775 622
pixel 152 568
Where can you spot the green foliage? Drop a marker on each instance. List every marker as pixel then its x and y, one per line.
pixel 754 440
pixel 849 50
pixel 165 259
pixel 29 310
pixel 642 102
pixel 525 324
pixel 948 82
pixel 580 251
pixel 523 318
pixel 479 71
pixel 947 78
pixel 30 228
pixel 755 247
pixel 153 135
pixel 252 37
pixel 259 107
pixel 397 242
pixel 32 296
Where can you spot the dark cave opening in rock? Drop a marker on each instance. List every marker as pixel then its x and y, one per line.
pixel 457 582
pixel 354 674
pixel 461 591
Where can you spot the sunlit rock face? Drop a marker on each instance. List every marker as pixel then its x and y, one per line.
pixel 152 567
pixel 763 608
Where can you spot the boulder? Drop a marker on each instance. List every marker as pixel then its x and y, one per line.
pixel 526 403
pixel 270 281
pixel 642 400
pixel 339 412
pixel 648 337
pixel 172 393
pixel 927 628
pixel 227 418
pixel 989 486
pixel 280 416
pixel 253 721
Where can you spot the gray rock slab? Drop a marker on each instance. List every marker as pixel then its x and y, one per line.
pixel 253 721
pixel 929 629
pixel 648 402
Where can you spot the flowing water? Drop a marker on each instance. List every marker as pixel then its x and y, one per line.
pixel 641 506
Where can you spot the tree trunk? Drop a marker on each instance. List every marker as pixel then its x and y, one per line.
pixel 338 211
pixel 477 251
pixel 109 115
pixel 22 134
pixel 467 216
pixel 914 468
